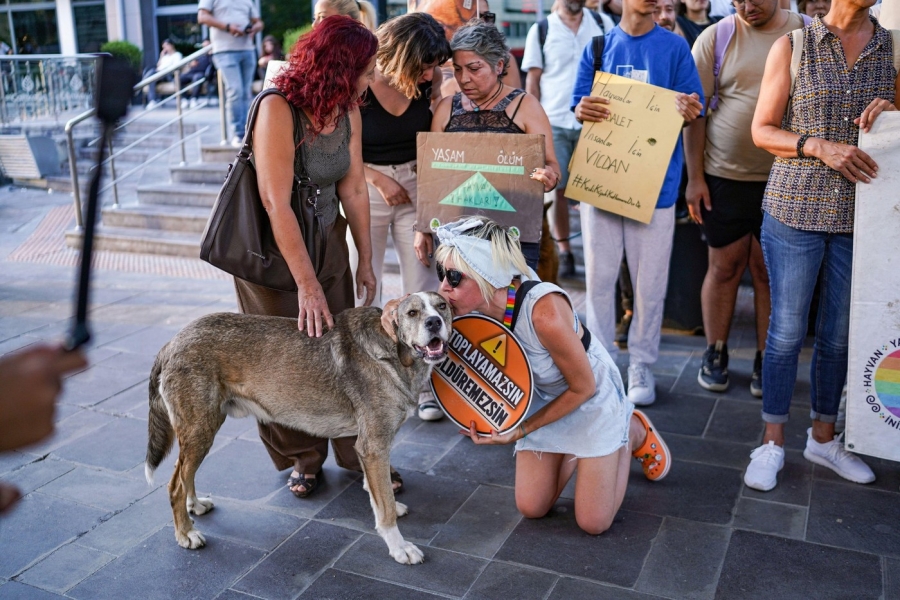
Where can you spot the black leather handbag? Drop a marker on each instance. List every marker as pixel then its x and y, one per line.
pixel 238 238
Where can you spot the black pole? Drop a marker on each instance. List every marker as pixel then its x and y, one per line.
pixel 114 89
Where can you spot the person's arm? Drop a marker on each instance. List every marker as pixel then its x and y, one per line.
pixel 392 192
pixel 205 17
pixel 533 62
pixel 534 120
pixel 273 147
pixel 553 319
pixel 694 146
pixel 256 25
pixel 689 99
pixel 774 94
pixel 533 82
pixel 354 195
pixel 585 106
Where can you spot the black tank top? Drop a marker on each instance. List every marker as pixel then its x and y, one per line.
pixel 390 140
pixel 494 120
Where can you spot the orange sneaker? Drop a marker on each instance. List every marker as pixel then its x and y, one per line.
pixel 653 454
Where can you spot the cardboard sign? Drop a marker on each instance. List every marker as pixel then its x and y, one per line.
pixel 619 165
pixel 485 378
pixel 489 174
pixel 873 380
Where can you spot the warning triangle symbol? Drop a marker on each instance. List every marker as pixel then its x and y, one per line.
pixel 477 192
pixel 496 348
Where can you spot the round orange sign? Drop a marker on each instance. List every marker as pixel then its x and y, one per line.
pixel 485 378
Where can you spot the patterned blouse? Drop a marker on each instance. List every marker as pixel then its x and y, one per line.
pixel 805 193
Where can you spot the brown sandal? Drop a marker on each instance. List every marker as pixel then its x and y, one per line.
pixel 309 484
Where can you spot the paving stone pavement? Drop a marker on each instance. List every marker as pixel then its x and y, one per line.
pixel 89 526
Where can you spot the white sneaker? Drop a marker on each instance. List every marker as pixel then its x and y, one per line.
pixel 641 384
pixel 841 422
pixel 236 142
pixel 152 104
pixel 193 103
pixel 765 462
pixel 429 410
pixel 832 455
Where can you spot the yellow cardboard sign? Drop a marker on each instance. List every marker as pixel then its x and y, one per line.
pixel 619 165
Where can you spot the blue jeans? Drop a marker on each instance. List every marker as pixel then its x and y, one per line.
pixel 564 141
pixel 237 68
pixel 795 259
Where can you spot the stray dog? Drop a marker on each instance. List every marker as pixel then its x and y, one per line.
pixel 354 380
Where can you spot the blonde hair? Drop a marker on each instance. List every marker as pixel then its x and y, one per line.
pixel 405 44
pixel 361 10
pixel 506 253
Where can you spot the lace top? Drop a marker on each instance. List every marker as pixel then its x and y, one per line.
pixel 327 161
pixel 494 120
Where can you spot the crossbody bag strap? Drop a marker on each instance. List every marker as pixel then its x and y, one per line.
pixel 247 145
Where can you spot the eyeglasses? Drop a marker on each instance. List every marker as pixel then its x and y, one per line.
pixel 738 3
pixel 454 277
pixel 489 17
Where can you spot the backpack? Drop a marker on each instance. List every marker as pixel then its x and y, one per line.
pixel 544 26
pixel 724 32
pixel 797 37
pixel 597 44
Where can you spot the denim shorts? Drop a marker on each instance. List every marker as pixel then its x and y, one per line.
pixel 564 141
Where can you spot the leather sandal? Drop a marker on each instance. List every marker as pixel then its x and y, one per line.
pixel 309 484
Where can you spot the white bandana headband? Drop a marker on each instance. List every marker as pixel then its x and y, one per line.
pixel 476 251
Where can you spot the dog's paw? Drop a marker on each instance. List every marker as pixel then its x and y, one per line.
pixel 200 506
pixel 402 509
pixel 407 554
pixel 193 540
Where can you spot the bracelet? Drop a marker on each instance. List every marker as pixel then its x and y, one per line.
pixel 800 143
pixel 522 429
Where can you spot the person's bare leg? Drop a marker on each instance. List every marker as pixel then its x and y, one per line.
pixel 720 287
pixel 540 479
pixel 822 432
pixel 762 298
pixel 561 221
pixel 775 433
pixel 599 490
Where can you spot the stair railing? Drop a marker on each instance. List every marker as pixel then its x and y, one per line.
pixel 178 120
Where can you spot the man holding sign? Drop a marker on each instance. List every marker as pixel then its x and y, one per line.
pixel 640 50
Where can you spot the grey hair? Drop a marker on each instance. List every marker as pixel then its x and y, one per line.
pixel 485 40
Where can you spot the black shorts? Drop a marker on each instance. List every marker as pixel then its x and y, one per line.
pixel 737 210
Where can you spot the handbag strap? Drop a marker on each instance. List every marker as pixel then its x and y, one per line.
pixel 247 145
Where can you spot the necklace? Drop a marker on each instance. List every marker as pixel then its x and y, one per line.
pixel 478 106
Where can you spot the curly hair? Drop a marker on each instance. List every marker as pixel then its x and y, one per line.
pixel 324 67
pixel 485 40
pixel 406 43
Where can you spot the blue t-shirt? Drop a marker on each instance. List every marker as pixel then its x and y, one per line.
pixel 667 59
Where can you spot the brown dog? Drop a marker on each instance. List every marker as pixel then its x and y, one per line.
pixel 354 380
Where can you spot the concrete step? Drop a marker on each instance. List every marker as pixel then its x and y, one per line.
pixel 158 218
pixel 179 194
pixel 136 155
pixel 204 172
pixel 145 241
pixel 216 153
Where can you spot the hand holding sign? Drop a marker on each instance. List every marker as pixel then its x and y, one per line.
pixel 630 131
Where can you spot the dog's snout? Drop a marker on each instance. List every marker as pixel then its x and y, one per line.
pixel 433 324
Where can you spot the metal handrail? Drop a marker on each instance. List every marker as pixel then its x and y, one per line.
pixel 179 119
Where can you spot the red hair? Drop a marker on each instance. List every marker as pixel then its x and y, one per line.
pixel 324 67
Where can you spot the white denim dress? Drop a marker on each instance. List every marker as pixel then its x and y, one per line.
pixel 599 426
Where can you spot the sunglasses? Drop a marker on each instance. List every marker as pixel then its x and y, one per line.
pixel 488 17
pixel 454 277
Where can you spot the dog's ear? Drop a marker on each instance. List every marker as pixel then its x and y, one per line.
pixel 405 354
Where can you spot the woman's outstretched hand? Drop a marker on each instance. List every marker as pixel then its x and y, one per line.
pixel 494 439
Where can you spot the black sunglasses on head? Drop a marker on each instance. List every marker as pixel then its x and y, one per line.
pixel 489 17
pixel 454 277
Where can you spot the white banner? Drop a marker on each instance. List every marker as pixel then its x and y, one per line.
pixel 873 381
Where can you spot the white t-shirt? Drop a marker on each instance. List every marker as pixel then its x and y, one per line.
pixel 236 12
pixel 562 52
pixel 720 8
pixel 167 60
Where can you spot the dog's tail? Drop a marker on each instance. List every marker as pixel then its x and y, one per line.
pixel 161 434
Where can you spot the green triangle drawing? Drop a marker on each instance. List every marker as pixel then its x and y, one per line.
pixel 477 192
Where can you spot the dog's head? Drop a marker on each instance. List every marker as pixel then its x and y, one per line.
pixel 424 322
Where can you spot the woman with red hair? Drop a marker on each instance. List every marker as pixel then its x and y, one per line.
pixel 317 112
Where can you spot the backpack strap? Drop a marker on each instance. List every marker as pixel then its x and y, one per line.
pixel 543 27
pixel 598 42
pixel 599 21
pixel 523 290
pixel 797 41
pixel 724 32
